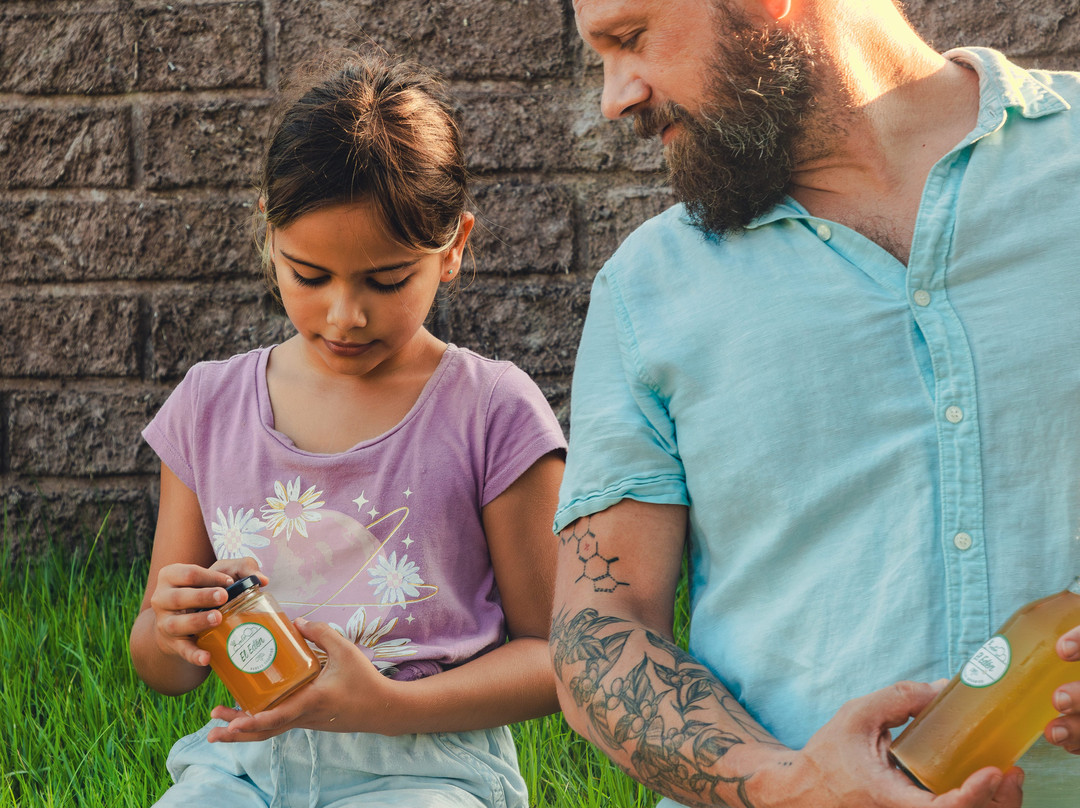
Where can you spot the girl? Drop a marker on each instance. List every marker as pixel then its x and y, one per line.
pixel 396 489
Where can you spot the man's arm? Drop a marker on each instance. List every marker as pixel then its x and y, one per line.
pixel 624 684
pixel 669 723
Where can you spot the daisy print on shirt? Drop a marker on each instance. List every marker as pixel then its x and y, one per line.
pixel 351 571
pixel 238 535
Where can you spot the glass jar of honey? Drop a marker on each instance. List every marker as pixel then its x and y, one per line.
pixel 255 649
pixel 1000 701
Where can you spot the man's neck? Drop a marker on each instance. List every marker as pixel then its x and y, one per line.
pixel 889 109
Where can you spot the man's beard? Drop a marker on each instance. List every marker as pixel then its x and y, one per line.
pixel 734 161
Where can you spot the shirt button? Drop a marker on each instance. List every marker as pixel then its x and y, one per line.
pixel 962 541
pixel 824 232
pixel 922 297
pixel 954 415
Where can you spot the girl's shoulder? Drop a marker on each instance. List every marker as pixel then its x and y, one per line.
pixel 217 384
pixel 500 392
pixel 481 376
pixel 509 420
pixel 214 374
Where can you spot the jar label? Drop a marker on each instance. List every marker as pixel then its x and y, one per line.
pixel 988 664
pixel 251 647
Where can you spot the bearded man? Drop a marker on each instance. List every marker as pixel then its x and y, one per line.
pixel 843 373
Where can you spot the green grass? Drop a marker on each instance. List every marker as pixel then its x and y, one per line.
pixel 77 727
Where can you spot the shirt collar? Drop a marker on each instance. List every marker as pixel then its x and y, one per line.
pixel 787 209
pixel 1004 86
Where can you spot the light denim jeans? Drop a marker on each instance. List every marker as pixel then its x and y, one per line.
pixel 309 769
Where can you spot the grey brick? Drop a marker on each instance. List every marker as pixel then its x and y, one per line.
pixel 459 38
pixel 186 46
pixel 79 434
pixel 215 143
pixel 1035 31
pixel 535 325
pixel 47 241
pixel 192 325
pixel 60 147
pixel 57 52
pixel 611 213
pixel 549 130
pixel 524 229
pixel 117 520
pixel 63 335
pixel 557 392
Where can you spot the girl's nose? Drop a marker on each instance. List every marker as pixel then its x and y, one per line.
pixel 623 90
pixel 346 311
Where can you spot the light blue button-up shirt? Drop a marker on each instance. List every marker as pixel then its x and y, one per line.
pixel 881 462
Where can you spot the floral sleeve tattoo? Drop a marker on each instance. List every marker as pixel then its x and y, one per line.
pixel 646 699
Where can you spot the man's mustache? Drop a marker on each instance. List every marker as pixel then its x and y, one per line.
pixel 651 121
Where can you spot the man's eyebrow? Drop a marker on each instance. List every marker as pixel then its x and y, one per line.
pixel 387 268
pixel 606 27
pixel 599 28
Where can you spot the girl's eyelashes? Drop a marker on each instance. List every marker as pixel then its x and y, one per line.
pixel 381 288
pixel 387 288
pixel 305 281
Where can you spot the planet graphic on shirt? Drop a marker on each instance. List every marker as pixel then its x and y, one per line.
pixel 324 576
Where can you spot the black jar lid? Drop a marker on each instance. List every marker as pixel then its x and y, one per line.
pixel 243 585
pixel 237 588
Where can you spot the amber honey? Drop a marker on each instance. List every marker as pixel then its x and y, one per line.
pixel 255 650
pixel 999 703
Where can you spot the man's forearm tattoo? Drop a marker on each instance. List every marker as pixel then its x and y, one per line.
pixel 647 699
pixel 595 567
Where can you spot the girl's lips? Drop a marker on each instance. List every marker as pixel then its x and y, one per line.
pixel 346 348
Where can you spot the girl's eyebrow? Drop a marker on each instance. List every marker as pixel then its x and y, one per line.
pixel 373 270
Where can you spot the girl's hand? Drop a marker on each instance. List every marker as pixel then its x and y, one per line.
pixel 350 695
pixel 182 591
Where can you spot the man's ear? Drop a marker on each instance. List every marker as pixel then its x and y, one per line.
pixel 777 9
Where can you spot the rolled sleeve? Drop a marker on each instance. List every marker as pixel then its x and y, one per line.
pixel 622 439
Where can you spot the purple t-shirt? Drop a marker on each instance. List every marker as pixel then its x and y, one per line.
pixel 385 540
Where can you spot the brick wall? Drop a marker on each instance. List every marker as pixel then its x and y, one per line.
pixel 129 134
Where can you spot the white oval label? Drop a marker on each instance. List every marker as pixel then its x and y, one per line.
pixel 988 664
pixel 251 647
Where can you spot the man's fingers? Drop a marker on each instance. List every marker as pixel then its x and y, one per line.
pixel 891 706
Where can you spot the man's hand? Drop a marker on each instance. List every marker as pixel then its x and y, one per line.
pixel 846 763
pixel 1065 731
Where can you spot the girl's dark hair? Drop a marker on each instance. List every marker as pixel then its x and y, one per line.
pixel 372 129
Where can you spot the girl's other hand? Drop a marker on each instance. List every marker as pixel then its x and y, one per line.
pixel 349 695
pixel 182 593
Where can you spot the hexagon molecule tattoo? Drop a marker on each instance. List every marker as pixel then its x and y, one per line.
pixel 594 566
